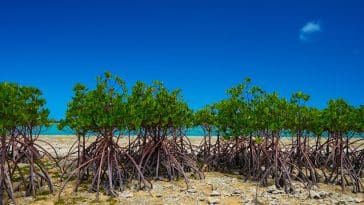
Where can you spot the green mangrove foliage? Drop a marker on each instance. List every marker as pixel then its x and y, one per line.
pixel 206 118
pixel 160 121
pixel 253 122
pixel 158 117
pixel 22 115
pixel 101 112
pixel 339 122
pixel 242 133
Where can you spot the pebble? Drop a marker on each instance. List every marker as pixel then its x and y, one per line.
pixel 252 190
pixel 215 193
pixel 319 195
pixel 274 202
pixel 273 190
pixel 227 194
pixel 192 190
pixel 168 186
pixel 213 200
pixel 236 192
pixel 157 194
pixel 127 194
pixel 245 201
pixel 182 190
pixel 315 195
pixel 341 202
pixel 359 200
pixel 201 198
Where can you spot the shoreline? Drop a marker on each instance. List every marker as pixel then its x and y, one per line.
pixel 63 143
pixel 189 136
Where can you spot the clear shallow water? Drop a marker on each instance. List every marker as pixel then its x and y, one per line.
pixel 197 131
pixel 53 130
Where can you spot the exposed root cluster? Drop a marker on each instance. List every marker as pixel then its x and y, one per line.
pixel 335 161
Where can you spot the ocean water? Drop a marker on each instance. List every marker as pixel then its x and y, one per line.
pixel 196 131
pixel 53 130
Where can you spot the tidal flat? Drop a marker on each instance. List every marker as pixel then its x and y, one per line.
pixel 216 188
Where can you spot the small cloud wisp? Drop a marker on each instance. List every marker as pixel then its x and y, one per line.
pixel 308 30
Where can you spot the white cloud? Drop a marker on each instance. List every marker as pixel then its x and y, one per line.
pixel 309 29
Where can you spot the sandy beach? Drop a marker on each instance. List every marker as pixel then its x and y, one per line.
pixel 216 188
pixel 63 143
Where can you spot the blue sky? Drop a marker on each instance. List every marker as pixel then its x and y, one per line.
pixel 203 47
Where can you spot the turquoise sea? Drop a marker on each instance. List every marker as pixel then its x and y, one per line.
pixel 197 131
pixel 53 130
